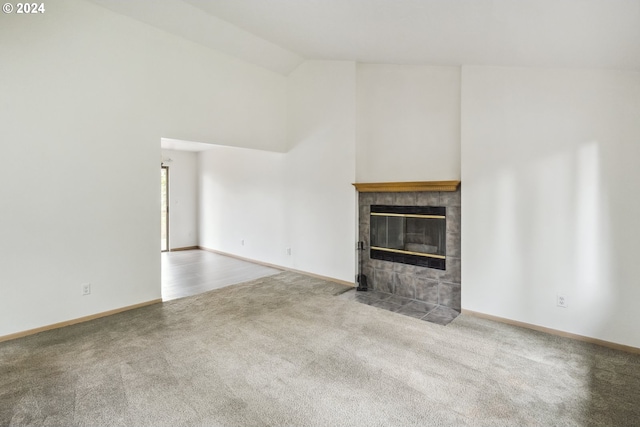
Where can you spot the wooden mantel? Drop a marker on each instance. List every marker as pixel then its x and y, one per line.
pixel 396 187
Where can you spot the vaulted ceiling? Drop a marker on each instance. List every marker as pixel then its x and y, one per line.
pixel 279 34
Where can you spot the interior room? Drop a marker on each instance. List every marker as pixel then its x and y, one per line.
pixel 290 131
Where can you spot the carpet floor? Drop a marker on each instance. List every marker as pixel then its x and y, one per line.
pixel 284 351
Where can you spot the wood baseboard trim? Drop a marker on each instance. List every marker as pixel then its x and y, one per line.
pixel 279 267
pixel 319 276
pixel 78 320
pixel 186 248
pixel 556 332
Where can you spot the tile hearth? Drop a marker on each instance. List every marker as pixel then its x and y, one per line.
pixel 433 313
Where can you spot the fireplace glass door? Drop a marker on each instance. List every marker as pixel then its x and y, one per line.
pixel 409 234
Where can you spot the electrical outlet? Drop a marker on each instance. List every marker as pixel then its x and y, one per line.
pixel 562 301
pixel 288 250
pixel 242 242
pixel 86 289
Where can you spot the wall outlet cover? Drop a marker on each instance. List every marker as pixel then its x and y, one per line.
pixel 562 301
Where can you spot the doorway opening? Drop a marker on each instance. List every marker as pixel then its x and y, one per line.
pixel 164 208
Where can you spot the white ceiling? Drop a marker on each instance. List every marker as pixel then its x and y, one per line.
pixel 184 20
pixel 278 34
pixel 180 145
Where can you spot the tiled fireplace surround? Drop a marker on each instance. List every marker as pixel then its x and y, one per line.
pixel 424 284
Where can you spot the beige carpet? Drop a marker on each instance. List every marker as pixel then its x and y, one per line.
pixel 283 351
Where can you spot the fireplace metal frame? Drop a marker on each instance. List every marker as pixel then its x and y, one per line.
pixel 428 260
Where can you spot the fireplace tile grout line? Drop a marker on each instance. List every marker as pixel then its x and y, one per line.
pixel 438 305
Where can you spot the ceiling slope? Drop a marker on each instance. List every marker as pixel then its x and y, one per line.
pixel 184 20
pixel 539 33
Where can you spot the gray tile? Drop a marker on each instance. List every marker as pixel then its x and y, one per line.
pixel 410 312
pixel 378 296
pixel 365 198
pixel 404 199
pixel 404 285
pixel 368 272
pixel 383 199
pixel 427 198
pixel 386 305
pixel 364 212
pixel 401 268
pixel 382 265
pixel 429 273
pixel 426 290
pixel 453 219
pixel 367 245
pixel 400 300
pixel 450 198
pixel 441 315
pixel 363 297
pixel 449 295
pixel 453 244
pixel 416 196
pixel 420 306
pixel 383 281
pixel 453 271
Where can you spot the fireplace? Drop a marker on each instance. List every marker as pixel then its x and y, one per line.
pixel 405 225
pixel 414 235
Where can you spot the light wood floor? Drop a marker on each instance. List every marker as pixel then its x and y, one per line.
pixel 186 273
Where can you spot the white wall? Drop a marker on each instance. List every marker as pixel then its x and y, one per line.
pixel 302 199
pixel 86 97
pixel 183 198
pixel 550 198
pixel 408 123
pixel 241 193
pixel 320 168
